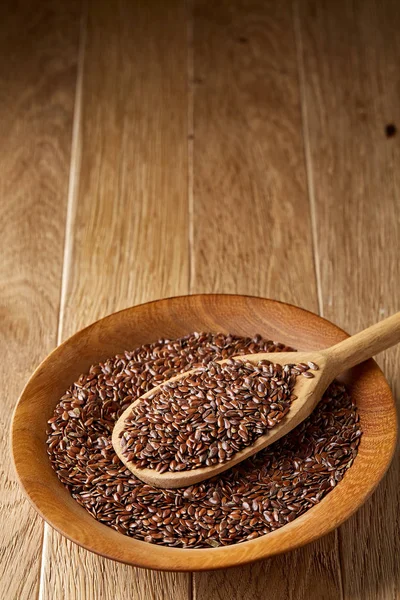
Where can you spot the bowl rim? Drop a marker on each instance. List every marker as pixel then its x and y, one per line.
pixel 164 558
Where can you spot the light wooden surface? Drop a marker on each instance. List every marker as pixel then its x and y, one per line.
pixel 36 112
pixel 209 138
pixel 350 98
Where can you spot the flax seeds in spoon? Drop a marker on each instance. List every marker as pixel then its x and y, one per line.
pixel 210 415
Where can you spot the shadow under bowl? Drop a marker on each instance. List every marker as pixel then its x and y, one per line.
pixel 172 318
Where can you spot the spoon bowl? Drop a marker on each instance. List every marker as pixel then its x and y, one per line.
pixel 308 391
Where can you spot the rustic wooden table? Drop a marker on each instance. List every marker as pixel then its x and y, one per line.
pixel 150 149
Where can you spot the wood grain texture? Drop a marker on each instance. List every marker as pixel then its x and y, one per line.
pixel 38 46
pixel 251 221
pixel 130 216
pixel 89 577
pixel 351 53
pixel 128 226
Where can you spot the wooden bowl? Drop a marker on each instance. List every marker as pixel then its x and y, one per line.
pixel 172 318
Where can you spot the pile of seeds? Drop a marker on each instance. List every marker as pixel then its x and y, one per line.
pixel 206 417
pixel 247 501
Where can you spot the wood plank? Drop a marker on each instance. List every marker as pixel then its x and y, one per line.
pixel 248 158
pixel 37 83
pixel 351 58
pixel 251 226
pixel 128 235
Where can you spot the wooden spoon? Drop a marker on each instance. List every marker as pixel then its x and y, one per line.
pixel 309 392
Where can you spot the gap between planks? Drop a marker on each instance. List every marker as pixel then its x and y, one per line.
pixel 313 210
pixel 71 205
pixel 190 138
pixel 307 152
pixel 190 175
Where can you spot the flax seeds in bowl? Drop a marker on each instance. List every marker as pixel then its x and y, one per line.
pixel 253 498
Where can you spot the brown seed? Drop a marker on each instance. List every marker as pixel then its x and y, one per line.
pixel 313 366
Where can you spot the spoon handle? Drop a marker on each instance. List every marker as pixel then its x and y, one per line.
pixel 365 344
